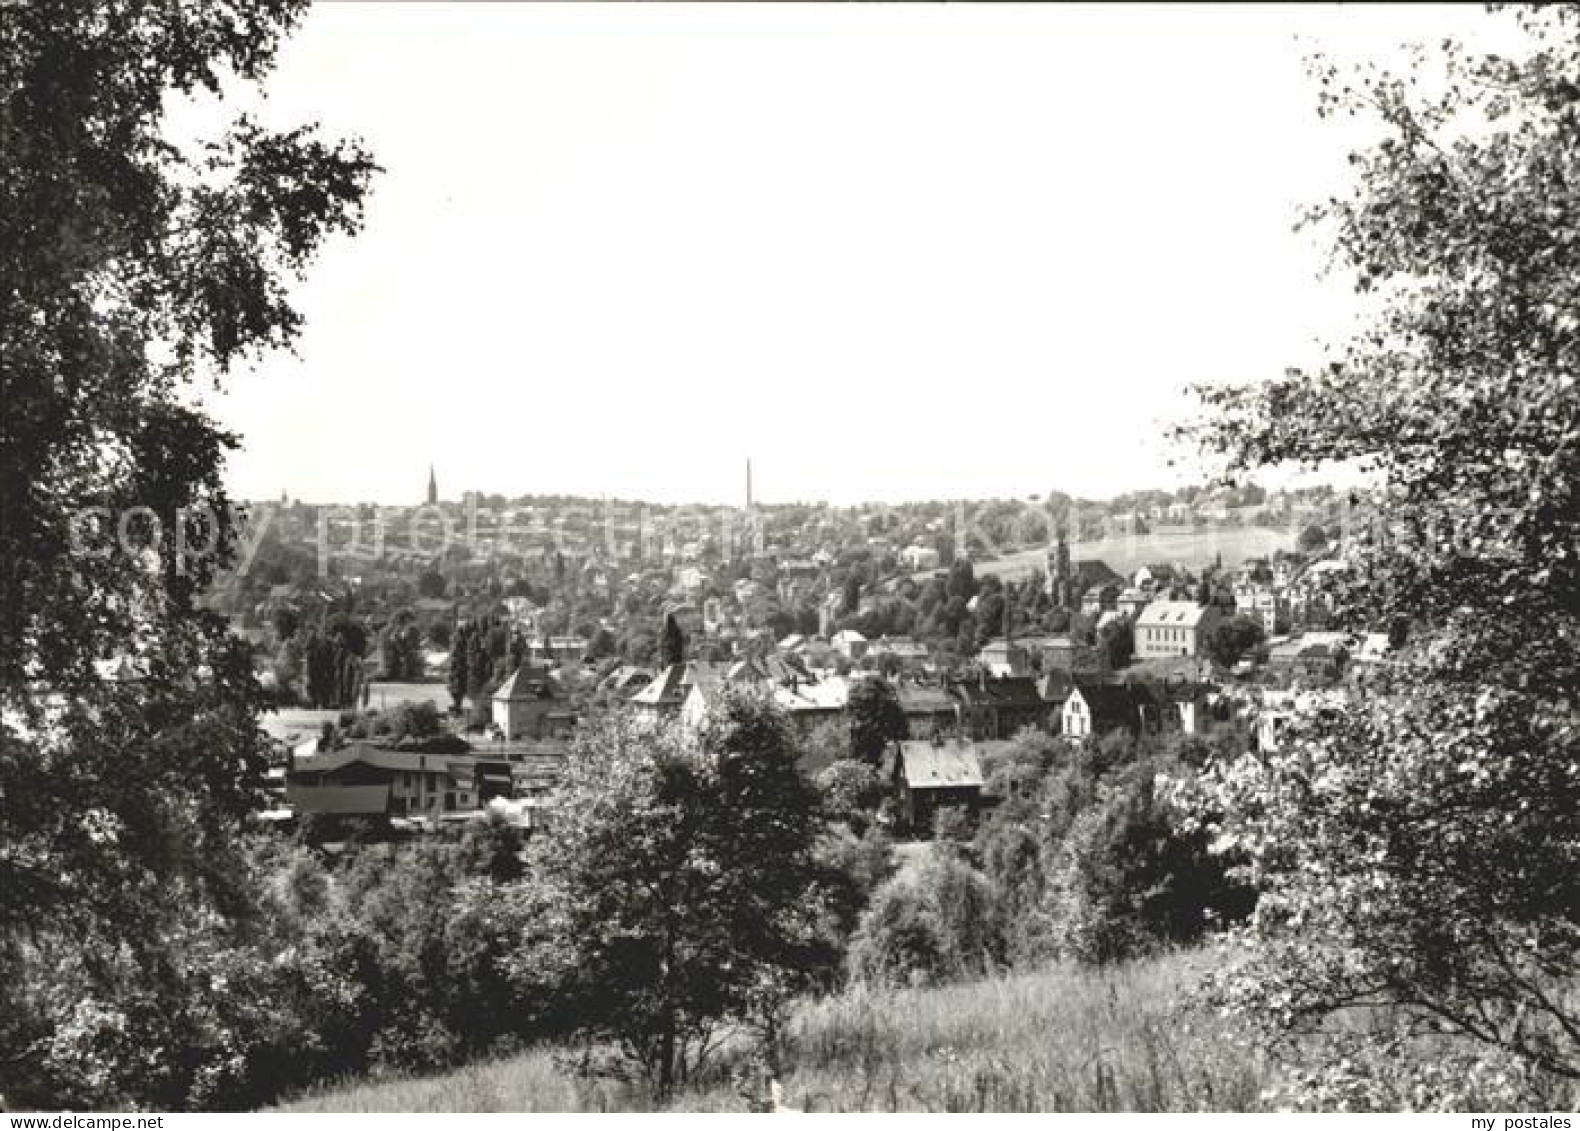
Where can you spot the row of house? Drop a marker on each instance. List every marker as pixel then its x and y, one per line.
pixel 979 708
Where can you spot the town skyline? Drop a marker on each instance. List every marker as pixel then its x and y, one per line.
pixel 437 490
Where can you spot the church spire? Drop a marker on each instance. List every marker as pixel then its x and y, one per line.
pixel 1059 571
pixel 433 487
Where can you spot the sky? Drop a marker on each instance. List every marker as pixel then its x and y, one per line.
pixel 885 252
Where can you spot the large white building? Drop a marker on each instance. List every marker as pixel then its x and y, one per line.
pixel 1173 628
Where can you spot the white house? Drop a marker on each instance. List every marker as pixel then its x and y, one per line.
pixel 850 643
pixel 1173 628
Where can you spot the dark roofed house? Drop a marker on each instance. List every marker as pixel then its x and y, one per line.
pixel 1064 654
pixel 1054 687
pixel 369 780
pixel 1089 572
pixel 929 776
pixel 995 708
pixel 1097 708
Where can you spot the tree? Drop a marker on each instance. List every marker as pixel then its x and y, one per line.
pixel 1130 877
pixel 1117 643
pixel 876 719
pixel 850 600
pixel 431 583
pixel 992 616
pixel 684 886
pixel 1231 638
pixel 460 671
pixel 416 720
pixel 1312 540
pixel 400 648
pixel 154 245
pixel 851 791
pixel 601 645
pixel 962 580
pixel 129 270
pixel 286 620
pixel 1417 851
pixel 672 643
pixel 936 922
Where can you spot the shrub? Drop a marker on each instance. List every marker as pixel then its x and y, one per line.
pixel 934 922
pixel 851 791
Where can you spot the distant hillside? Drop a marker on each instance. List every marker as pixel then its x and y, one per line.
pixel 1128 552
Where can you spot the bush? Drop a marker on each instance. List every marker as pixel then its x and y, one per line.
pixel 1128 880
pixel 851 792
pixel 936 922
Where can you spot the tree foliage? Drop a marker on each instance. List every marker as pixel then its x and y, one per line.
pixel 1418 850
pixel 936 921
pixel 876 719
pixel 682 888
pixel 1230 639
pixel 129 271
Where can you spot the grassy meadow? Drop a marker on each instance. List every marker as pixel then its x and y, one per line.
pixel 1063 1040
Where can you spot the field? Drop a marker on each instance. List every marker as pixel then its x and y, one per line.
pixel 1128 552
pixel 1062 1040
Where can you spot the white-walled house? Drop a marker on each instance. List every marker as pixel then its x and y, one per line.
pixel 1173 628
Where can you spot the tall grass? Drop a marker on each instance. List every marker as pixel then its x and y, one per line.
pixel 1068 1039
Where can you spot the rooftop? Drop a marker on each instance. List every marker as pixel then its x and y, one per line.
pixel 928 765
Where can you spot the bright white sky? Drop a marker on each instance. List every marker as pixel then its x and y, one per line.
pixel 887 252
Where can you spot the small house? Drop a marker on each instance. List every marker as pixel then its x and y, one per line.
pixel 928 777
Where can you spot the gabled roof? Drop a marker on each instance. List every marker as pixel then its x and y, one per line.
pixel 898 646
pixel 918 699
pixel 1092 571
pixel 398 760
pixel 785 669
pixel 670 687
pixel 1313 644
pixel 627 677
pixel 1171 614
pixel 1000 691
pixel 527 682
pixel 927 765
pixel 1116 703
pixel 830 694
